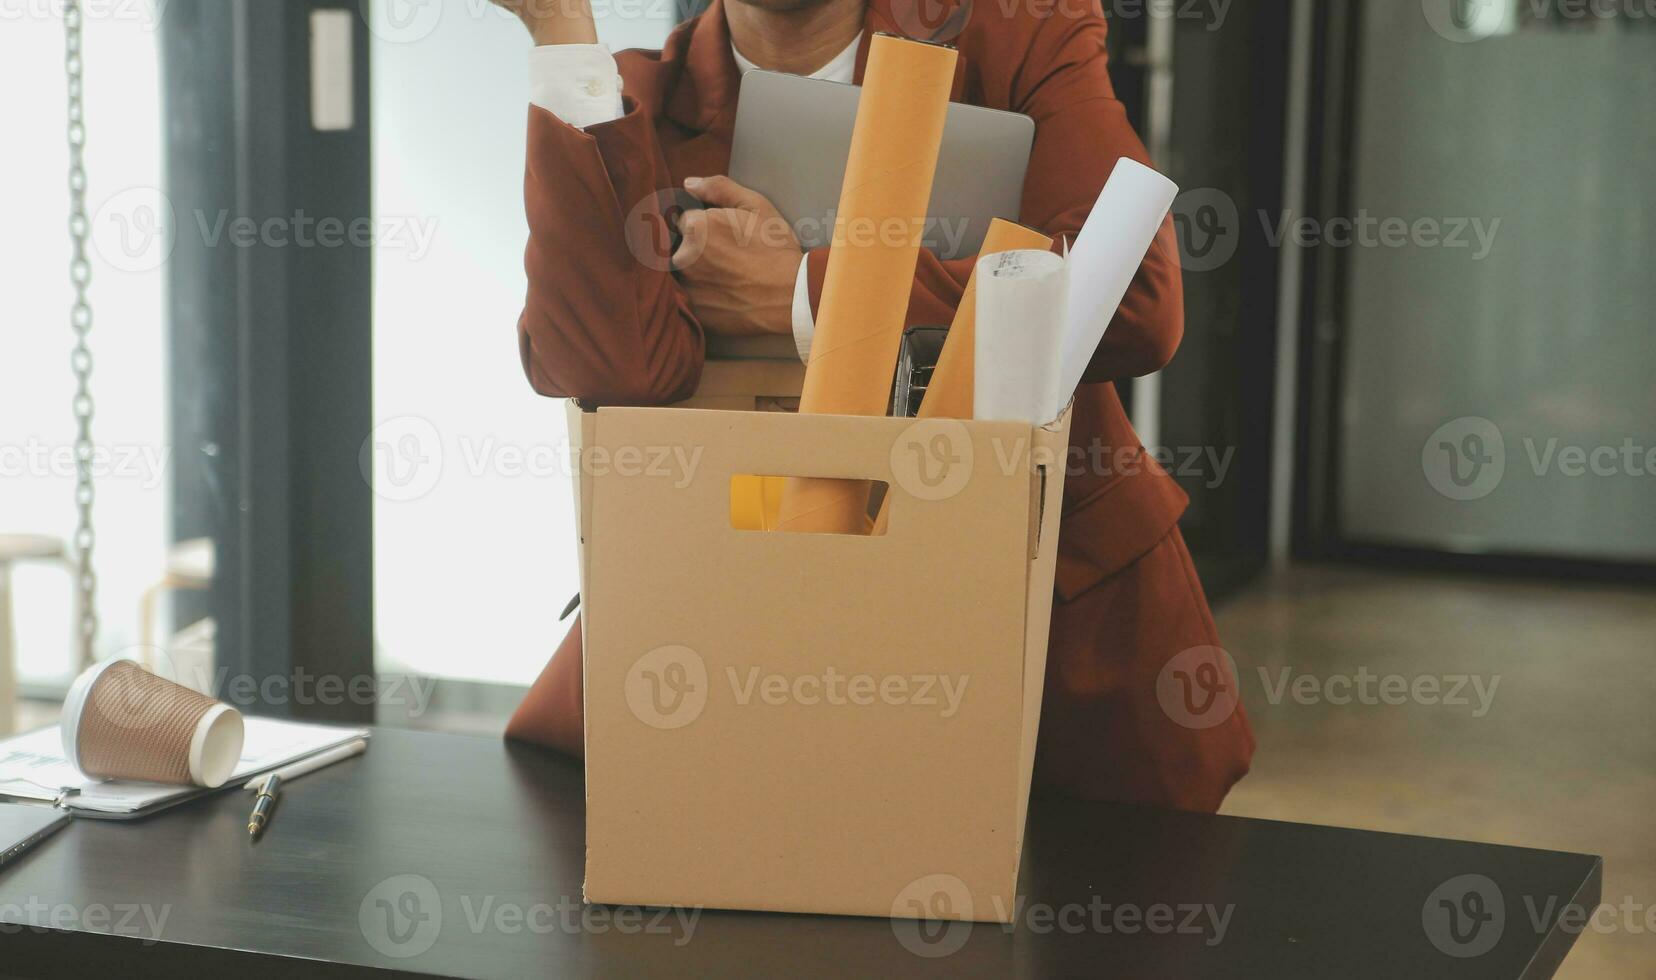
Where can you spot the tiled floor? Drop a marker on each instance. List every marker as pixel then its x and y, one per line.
pixel 1564 757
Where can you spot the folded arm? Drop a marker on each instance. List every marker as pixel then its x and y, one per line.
pixel 605 320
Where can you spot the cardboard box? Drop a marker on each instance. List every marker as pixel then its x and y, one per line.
pixel 813 723
pixel 748 385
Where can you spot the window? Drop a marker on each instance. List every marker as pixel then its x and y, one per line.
pixel 474 525
pixel 133 469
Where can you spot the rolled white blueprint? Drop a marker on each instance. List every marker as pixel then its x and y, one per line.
pixel 1105 258
pixel 1021 301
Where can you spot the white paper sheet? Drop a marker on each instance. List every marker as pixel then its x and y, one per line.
pixel 1105 258
pixel 1021 302
pixel 32 766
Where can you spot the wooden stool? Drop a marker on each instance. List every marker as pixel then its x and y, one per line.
pixel 190 567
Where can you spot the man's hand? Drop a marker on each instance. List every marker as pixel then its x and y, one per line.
pixel 739 260
pixel 555 21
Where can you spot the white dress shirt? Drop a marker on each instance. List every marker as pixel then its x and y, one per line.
pixel 579 84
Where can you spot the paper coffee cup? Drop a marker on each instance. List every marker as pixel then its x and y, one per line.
pixel 122 722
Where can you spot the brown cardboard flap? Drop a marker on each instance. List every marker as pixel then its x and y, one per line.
pixel 1050 458
pixel 758 379
pixel 684 459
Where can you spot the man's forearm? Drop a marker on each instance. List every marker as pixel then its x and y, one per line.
pixel 556 21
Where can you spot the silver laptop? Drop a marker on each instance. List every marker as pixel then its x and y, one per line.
pixel 793 135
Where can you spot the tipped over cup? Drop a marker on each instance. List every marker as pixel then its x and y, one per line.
pixel 121 721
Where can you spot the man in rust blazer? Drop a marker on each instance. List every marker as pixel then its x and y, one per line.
pixel 1140 703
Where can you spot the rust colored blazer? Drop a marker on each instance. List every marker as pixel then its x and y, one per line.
pixel 601 325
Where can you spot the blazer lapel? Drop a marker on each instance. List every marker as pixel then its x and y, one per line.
pixel 704 101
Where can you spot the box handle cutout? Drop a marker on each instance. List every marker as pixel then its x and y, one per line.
pixel 756 504
pixel 1037 511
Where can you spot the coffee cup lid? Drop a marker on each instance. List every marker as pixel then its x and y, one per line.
pixel 75 703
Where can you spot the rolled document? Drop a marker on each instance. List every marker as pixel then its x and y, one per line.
pixel 755 502
pixel 950 394
pixel 877 234
pixel 1021 317
pixel 1105 258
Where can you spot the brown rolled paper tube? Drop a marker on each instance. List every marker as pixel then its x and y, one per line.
pixel 123 722
pixel 953 380
pixel 877 238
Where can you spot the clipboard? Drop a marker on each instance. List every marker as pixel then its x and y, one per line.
pixel 34 768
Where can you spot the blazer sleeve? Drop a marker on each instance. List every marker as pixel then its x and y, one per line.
pixel 1081 130
pixel 605 320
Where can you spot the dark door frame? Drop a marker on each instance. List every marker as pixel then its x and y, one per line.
pixel 1227 150
pixel 270 352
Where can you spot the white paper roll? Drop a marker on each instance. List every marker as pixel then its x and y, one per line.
pixel 1021 301
pixel 1105 258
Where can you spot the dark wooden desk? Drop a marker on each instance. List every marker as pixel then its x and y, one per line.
pixel 449 855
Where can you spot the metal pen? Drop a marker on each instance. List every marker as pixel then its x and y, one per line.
pixel 264 805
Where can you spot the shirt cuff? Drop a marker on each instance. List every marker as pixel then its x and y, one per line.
pixel 804 323
pixel 578 83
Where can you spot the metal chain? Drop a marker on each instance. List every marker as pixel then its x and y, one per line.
pixel 80 318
